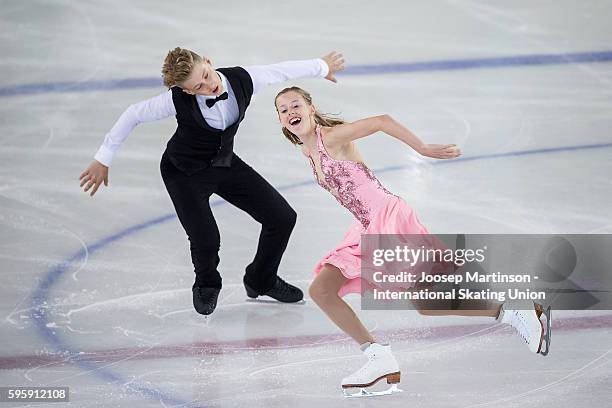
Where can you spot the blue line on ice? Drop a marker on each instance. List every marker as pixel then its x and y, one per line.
pixel 370 69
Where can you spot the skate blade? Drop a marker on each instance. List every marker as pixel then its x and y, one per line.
pixel 547 335
pixel 365 393
pixel 273 301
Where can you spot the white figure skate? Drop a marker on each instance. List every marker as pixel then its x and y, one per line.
pixel 381 365
pixel 529 325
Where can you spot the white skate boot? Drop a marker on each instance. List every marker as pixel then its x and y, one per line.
pixel 381 365
pixel 529 326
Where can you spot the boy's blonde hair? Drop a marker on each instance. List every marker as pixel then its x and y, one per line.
pixel 319 118
pixel 178 65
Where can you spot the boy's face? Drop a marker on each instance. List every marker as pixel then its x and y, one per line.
pixel 203 80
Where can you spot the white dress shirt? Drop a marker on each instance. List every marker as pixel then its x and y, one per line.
pixel 222 115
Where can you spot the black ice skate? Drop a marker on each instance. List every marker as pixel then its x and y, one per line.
pixel 282 291
pixel 205 299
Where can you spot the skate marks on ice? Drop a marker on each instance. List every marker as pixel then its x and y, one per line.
pixel 454 347
pixel 572 375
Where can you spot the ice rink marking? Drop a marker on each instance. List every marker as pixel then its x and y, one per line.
pixel 366 69
pixel 40 294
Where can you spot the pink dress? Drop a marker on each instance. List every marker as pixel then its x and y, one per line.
pixel 375 209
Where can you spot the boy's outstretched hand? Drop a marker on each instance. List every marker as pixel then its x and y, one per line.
pixel 93 176
pixel 335 62
pixel 440 151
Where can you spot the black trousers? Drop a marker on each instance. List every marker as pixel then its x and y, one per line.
pixel 243 187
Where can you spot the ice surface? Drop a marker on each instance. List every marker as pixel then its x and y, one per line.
pixel 89 302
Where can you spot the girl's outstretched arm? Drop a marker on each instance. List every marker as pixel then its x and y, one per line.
pixel 341 134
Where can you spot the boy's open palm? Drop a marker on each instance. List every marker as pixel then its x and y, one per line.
pixel 335 62
pixel 94 176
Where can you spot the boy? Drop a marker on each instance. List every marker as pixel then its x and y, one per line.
pixel 209 106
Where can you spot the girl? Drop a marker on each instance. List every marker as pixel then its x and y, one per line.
pixel 339 168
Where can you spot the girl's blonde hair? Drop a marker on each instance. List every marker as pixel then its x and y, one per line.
pixel 178 65
pixel 320 118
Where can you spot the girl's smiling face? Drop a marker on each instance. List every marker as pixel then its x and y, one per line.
pixel 294 113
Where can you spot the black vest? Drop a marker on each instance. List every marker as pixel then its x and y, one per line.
pixel 195 145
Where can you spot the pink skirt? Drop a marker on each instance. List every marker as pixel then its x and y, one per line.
pixel 395 217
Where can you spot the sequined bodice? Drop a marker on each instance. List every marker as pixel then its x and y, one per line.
pixel 352 183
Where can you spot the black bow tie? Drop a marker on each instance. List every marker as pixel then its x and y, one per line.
pixel 211 102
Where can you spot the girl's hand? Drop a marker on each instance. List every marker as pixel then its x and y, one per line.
pixel 93 176
pixel 440 151
pixel 335 63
